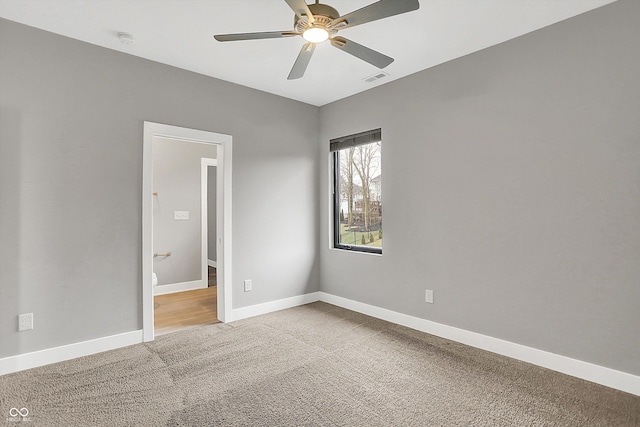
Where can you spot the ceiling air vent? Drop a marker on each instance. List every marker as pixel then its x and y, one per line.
pixel 375 77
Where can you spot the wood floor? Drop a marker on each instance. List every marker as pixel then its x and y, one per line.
pixel 183 310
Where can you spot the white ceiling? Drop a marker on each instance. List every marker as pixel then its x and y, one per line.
pixel 180 33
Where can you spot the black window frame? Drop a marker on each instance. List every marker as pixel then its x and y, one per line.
pixel 336 145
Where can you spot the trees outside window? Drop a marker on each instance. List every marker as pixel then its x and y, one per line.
pixel 357 162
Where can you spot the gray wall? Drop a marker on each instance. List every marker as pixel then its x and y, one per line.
pixel 177 179
pixel 512 189
pixel 211 214
pixel 71 175
pixel 510 184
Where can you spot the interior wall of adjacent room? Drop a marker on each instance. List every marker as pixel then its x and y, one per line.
pixel 71 135
pixel 511 189
pixel 177 169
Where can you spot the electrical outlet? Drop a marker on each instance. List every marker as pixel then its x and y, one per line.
pixel 247 286
pixel 428 296
pixel 25 322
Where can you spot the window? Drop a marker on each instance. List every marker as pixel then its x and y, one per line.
pixel 357 192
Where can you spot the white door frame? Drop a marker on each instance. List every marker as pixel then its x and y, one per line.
pixel 204 198
pixel 223 215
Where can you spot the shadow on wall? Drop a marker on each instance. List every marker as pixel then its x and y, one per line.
pixel 312 281
pixel 11 187
pixel 212 181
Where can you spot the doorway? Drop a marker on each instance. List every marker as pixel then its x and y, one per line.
pixel 184 181
pixel 178 274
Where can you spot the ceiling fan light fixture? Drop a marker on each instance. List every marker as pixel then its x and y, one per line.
pixel 315 34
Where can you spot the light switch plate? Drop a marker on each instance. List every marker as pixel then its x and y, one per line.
pixel 180 215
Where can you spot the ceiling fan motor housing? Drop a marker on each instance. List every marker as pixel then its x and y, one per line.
pixel 322 14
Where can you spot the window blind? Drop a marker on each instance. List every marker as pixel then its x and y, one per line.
pixel 355 140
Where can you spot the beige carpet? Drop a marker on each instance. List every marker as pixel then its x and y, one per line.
pixel 315 365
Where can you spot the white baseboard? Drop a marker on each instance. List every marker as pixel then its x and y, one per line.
pixel 598 374
pixel 180 287
pixel 588 371
pixel 268 307
pixel 212 263
pixel 66 352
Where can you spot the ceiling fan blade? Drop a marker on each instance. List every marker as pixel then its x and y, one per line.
pixel 254 36
pixel 300 7
pixel 300 66
pixel 373 12
pixel 368 55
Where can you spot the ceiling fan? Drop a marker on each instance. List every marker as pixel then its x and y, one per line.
pixel 319 22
